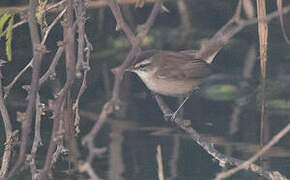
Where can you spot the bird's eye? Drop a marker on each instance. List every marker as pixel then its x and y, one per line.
pixel 142 66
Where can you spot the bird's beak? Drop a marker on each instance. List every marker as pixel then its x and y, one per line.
pixel 129 69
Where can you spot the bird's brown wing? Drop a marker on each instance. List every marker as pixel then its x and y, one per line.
pixel 180 66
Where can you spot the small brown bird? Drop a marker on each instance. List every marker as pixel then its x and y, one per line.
pixel 171 73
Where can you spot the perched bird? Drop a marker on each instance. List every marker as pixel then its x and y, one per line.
pixel 171 73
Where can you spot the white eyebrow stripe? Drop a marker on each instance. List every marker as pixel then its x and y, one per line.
pixel 145 62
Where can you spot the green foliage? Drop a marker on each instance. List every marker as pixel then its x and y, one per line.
pixel 279 104
pixel 279 107
pixel 9 39
pixel 119 43
pixel 274 89
pixel 221 92
pixel 40 15
pixel 148 40
pixel 4 18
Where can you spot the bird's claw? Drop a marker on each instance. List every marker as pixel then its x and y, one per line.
pixel 171 117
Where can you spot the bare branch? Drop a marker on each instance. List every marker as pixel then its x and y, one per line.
pixel 8 133
pixel 10 85
pixel 37 139
pixel 51 70
pixel 38 51
pixel 209 147
pixel 121 24
pixel 248 164
pixel 59 103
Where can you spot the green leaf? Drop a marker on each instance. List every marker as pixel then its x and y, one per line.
pixel 221 92
pixel 3 20
pixel 9 38
pixel 279 104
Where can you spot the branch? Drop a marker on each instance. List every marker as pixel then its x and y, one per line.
pixel 51 70
pixel 210 48
pixel 209 147
pixel 109 107
pixel 121 24
pixel 8 133
pixel 10 85
pixel 37 141
pixel 58 104
pixel 38 51
pixel 248 164
pixel 24 9
pixel 86 67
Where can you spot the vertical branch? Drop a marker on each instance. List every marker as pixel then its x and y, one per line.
pixel 38 51
pixel 263 37
pixel 69 38
pixel 70 139
pixel 184 15
pixel 37 138
pixel 175 155
pixel 159 163
pixel 80 15
pixel 8 133
pixel 116 161
pixel 83 65
pixel 58 105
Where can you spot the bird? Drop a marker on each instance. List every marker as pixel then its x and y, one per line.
pixel 171 73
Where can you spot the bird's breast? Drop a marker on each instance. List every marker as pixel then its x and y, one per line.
pixel 169 87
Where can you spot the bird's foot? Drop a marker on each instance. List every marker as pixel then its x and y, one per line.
pixel 170 117
pixel 173 119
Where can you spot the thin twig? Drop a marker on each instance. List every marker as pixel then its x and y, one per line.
pixel 59 16
pixel 82 88
pixel 210 48
pixel 24 21
pixel 248 164
pixel 10 85
pixel 51 70
pixel 82 65
pixel 121 24
pixel 159 163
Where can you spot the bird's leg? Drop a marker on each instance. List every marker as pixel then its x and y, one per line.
pixel 173 116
